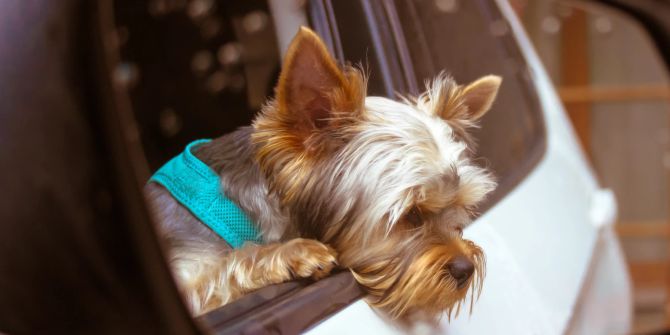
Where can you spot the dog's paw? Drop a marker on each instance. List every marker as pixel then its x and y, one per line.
pixel 307 258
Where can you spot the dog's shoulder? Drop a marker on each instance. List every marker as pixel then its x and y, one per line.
pixel 174 222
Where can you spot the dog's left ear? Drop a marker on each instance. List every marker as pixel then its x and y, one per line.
pixel 313 90
pixel 480 94
pixel 477 98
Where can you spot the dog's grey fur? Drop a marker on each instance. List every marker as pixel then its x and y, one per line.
pixel 231 156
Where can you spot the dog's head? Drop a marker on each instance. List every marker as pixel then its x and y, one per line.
pixel 390 185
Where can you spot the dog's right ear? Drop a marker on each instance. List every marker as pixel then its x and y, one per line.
pixel 313 91
pixel 314 99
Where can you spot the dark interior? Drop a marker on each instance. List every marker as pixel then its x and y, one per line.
pixel 224 67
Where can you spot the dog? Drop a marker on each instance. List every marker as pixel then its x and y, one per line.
pixel 331 177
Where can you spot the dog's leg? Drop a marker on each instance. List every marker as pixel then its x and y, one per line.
pixel 212 279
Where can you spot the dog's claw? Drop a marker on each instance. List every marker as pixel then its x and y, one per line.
pixel 310 258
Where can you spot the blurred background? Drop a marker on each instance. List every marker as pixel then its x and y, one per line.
pixel 615 88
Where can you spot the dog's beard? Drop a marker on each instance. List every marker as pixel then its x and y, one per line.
pixel 410 281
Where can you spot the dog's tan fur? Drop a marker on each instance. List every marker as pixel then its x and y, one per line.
pixel 226 276
pixel 382 187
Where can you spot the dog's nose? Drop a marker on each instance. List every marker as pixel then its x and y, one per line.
pixel 461 269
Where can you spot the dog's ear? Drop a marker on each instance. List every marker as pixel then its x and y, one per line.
pixel 312 89
pixel 480 94
pixel 468 104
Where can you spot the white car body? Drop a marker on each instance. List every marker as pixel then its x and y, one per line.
pixel 554 264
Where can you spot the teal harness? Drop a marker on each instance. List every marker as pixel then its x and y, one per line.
pixel 199 189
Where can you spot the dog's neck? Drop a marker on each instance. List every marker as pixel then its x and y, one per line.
pixel 232 156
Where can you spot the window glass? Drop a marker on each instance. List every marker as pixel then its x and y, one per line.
pixel 469 40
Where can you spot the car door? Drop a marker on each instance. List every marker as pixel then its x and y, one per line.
pixel 547 229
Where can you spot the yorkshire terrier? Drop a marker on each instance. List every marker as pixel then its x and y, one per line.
pixel 331 177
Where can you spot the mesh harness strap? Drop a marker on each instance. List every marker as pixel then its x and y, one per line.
pixel 199 189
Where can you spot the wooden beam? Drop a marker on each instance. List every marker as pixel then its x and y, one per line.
pixel 583 94
pixel 643 229
pixel 649 274
pixel 575 72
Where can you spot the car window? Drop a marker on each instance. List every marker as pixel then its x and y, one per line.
pixel 201 68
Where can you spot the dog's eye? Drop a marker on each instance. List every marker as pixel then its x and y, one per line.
pixel 414 216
